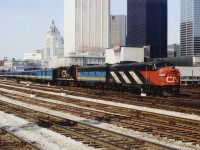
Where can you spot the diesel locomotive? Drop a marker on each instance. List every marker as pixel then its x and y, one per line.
pixel 158 78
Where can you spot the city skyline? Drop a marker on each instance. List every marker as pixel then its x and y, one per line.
pixel 24 23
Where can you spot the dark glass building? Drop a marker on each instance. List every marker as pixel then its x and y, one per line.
pixel 147 25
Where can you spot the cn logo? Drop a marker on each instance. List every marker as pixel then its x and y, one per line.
pixel 172 80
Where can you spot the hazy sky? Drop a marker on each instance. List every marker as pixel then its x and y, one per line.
pixel 24 23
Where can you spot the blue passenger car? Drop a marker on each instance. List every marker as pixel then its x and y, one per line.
pixel 92 73
pixel 36 75
pixel 61 76
pixel 44 75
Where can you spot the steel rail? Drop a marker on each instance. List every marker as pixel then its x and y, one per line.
pixel 174 120
pixel 108 134
pixel 19 140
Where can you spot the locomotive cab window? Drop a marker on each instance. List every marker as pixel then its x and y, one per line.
pixel 150 68
pixel 163 64
pixel 64 73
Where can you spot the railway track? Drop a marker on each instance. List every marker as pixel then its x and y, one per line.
pixel 186 92
pixel 90 135
pixel 192 91
pixel 157 124
pixel 9 141
pixel 190 106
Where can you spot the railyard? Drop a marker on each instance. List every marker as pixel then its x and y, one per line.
pixel 94 119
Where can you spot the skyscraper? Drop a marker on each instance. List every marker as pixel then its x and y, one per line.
pixel 86 26
pixel 147 25
pixel 118 30
pixel 190 28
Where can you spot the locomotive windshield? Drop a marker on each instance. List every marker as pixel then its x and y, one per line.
pixel 163 64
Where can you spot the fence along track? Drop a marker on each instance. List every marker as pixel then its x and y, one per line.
pixel 90 135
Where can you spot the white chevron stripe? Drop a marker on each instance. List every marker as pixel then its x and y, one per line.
pixel 115 77
pixel 135 77
pixel 125 77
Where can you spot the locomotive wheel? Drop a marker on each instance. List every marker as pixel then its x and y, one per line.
pixel 65 83
pixel 102 87
pixel 71 83
pixel 160 93
pixel 115 88
pixel 59 82
pixel 157 92
pixel 154 92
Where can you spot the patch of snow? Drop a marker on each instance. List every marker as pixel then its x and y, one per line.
pixel 44 138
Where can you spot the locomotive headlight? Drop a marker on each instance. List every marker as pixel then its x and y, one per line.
pixel 173 69
pixel 162 74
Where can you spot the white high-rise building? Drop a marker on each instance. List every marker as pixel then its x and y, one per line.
pixel 54 43
pixel 86 26
pixel 190 28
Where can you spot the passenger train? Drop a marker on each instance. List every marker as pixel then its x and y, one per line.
pixel 158 78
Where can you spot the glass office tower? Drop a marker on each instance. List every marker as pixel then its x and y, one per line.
pixel 190 28
pixel 147 25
